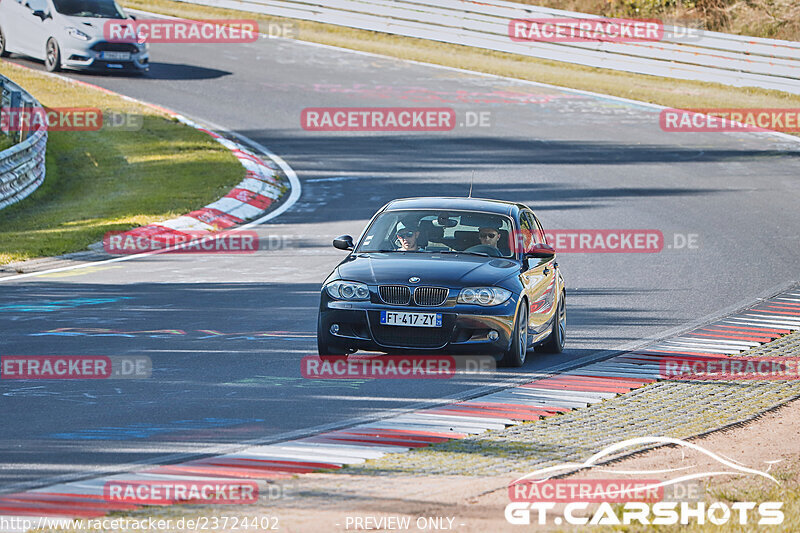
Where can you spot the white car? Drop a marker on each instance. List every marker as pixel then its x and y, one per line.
pixel 68 34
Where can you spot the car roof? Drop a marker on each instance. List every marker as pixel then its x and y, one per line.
pixel 467 204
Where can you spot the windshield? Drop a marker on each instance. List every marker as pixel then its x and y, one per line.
pixel 438 231
pixel 106 9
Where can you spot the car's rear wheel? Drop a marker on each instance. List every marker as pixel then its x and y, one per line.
pixel 3 45
pixel 324 346
pixel 515 356
pixel 52 59
pixel 558 332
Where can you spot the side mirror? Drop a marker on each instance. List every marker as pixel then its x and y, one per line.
pixel 41 14
pixel 541 251
pixel 132 17
pixel 345 242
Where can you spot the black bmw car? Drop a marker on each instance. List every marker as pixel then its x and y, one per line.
pixel 445 275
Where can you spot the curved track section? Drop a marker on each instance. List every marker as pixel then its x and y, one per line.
pixel 226 333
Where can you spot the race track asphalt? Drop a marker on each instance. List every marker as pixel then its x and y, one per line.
pixel 226 333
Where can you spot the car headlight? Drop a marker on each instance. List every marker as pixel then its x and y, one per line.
pixel 347 290
pixel 78 34
pixel 486 296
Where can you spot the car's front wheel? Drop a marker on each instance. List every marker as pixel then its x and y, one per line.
pixel 515 356
pixel 52 58
pixel 558 332
pixel 3 44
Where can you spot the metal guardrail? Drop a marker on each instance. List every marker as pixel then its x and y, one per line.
pixel 683 53
pixel 22 166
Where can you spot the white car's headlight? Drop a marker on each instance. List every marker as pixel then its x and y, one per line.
pixel 78 34
pixel 486 296
pixel 347 290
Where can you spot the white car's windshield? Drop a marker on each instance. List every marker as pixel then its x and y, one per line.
pixel 106 9
pixel 437 231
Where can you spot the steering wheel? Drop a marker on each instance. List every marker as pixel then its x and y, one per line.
pixel 485 249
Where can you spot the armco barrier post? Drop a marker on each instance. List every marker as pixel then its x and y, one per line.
pixel 15 100
pixel 24 130
pixel 3 99
pixel 2 94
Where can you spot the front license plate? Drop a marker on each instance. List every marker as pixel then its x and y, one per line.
pixel 424 320
pixel 116 56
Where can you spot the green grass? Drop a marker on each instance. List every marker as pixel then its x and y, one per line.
pixel 5 142
pixel 110 180
pixel 662 91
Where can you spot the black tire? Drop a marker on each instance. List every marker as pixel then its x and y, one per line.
pixel 558 332
pixel 324 348
pixel 3 46
pixel 52 57
pixel 516 355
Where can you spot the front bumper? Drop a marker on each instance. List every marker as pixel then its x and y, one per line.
pixel 85 57
pixel 465 328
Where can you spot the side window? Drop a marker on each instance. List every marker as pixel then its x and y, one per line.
pixel 525 239
pixel 541 238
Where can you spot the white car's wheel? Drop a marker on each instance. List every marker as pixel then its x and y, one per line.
pixel 52 58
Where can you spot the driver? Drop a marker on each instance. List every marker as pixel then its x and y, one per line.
pixel 408 237
pixel 489 236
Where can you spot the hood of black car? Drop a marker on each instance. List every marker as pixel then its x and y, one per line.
pixel 443 270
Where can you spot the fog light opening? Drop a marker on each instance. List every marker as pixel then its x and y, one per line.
pixel 334 328
pixel 493 335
